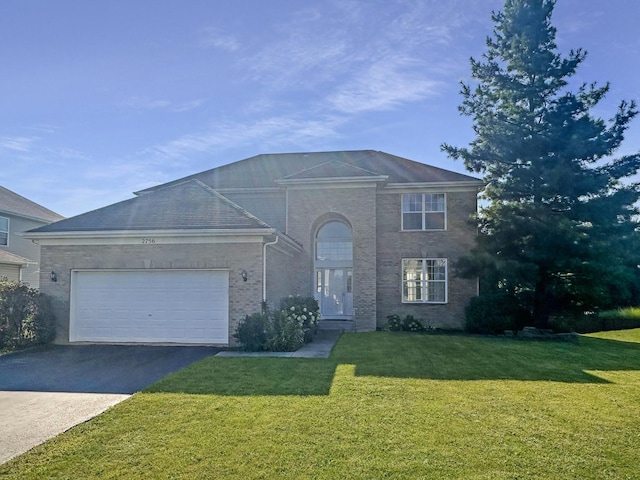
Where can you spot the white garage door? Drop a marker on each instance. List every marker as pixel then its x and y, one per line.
pixel 162 306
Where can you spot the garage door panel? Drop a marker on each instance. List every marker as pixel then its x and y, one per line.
pixel 184 306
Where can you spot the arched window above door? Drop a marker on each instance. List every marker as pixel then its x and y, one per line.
pixel 334 242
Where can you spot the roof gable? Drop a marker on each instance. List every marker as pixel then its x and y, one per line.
pixel 12 203
pixel 189 205
pixel 331 170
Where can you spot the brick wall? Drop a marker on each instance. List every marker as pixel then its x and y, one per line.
pixel 244 297
pixel 309 208
pixel 281 278
pixel 393 245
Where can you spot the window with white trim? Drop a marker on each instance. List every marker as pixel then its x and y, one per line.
pixel 4 231
pixel 424 280
pixel 424 211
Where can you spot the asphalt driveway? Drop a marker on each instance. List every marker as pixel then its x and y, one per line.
pixel 46 391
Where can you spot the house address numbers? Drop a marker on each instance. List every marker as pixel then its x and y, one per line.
pixel 148 241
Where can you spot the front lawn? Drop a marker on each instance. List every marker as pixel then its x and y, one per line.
pixel 385 405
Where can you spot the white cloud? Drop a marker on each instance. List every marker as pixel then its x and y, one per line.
pixel 143 103
pixel 268 131
pixel 18 144
pixel 383 86
pixel 212 37
pixel 360 57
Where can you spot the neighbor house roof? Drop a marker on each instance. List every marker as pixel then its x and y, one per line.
pixel 265 169
pixel 13 259
pixel 12 203
pixel 187 205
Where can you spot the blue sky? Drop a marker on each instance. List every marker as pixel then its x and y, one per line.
pixel 100 99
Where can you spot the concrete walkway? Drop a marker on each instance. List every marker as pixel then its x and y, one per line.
pixel 321 347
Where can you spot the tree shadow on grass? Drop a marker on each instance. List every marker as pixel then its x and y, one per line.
pixel 397 355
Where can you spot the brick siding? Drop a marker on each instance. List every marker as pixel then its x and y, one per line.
pixel 244 297
pixel 309 208
pixel 394 245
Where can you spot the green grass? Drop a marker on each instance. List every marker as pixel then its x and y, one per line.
pixel 385 405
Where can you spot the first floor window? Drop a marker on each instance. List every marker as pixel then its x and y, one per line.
pixel 4 231
pixel 424 280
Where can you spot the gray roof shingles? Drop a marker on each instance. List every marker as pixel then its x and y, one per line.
pixel 331 169
pixel 193 202
pixel 263 170
pixel 188 205
pixel 8 258
pixel 11 202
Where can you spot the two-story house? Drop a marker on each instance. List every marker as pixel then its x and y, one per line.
pixel 20 257
pixel 367 233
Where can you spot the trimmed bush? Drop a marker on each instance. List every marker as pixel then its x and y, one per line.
pixel 26 316
pixel 406 324
pixel 304 309
pixel 251 332
pixel 285 334
pixel 495 313
pixel 620 319
pixel 283 330
pixel 394 323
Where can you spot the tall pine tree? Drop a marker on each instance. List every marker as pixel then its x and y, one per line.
pixel 560 222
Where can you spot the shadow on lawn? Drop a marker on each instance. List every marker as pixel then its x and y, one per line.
pixel 397 355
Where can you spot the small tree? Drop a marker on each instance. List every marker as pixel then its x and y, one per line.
pixel 559 228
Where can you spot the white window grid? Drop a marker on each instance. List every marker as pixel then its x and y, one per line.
pixel 425 280
pixel 424 205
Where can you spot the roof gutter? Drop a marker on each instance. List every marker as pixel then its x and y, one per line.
pixel 264 269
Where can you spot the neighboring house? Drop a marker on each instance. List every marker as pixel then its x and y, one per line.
pixel 367 233
pixel 19 257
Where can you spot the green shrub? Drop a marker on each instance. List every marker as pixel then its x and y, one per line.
pixel 304 309
pixel 495 313
pixel 285 333
pixel 283 330
pixel 26 316
pixel 394 323
pixel 406 324
pixel 251 332
pixel 39 327
pixel 411 324
pixel 620 319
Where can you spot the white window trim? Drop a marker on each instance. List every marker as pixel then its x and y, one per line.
pixel 7 232
pixel 423 229
pixel 426 282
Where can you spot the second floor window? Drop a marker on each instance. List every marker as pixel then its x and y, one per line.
pixel 4 231
pixel 424 211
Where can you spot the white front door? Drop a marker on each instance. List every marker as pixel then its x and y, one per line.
pixel 334 292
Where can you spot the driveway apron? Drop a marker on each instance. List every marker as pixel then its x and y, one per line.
pixel 46 391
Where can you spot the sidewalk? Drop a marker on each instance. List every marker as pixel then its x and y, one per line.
pixel 320 348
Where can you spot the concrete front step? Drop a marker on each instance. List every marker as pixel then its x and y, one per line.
pixel 340 325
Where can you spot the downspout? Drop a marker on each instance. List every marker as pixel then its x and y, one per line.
pixel 264 269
